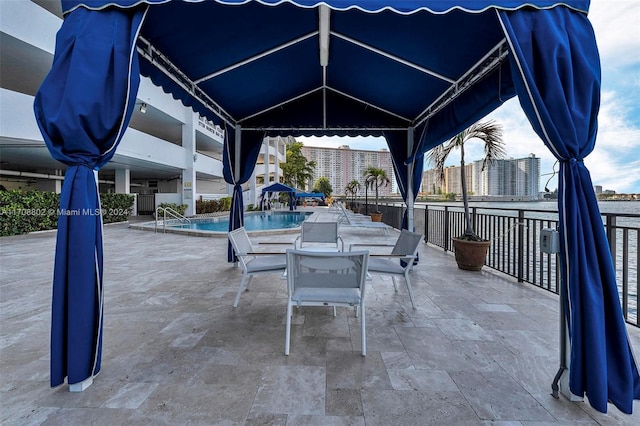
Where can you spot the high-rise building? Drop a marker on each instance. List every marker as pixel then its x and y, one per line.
pixel 342 165
pixel 510 177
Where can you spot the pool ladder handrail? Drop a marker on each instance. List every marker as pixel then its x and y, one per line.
pixel 167 211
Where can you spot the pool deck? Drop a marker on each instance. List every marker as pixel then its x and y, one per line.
pixel 480 349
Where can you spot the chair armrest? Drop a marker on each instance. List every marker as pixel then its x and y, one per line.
pixel 262 253
pixel 394 256
pixel 370 245
pixel 342 243
pixel 278 243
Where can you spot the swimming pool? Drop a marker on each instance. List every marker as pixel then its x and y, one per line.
pixel 260 221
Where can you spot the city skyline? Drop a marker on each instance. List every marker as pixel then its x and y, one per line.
pixel 615 161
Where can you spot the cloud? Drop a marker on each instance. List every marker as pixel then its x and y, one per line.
pixel 615 161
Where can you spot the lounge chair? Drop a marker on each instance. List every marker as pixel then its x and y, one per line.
pixel 347 220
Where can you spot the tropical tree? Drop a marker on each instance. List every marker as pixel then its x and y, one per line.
pixel 488 132
pixel 374 178
pixel 352 189
pixel 297 171
pixel 323 185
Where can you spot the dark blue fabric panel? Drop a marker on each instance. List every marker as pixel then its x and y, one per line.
pixel 447 44
pixel 218 30
pixel 557 76
pixel 341 112
pixel 76 317
pixel 278 187
pixel 251 142
pixel 468 108
pixel 278 80
pixel 397 142
pixel 403 6
pixel 361 73
pixel 178 92
pixel 82 109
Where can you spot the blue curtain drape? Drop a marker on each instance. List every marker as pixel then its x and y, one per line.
pixel 556 71
pixel 249 151
pixel 83 108
pixel 397 142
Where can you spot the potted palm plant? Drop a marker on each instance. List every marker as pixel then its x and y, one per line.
pixel 352 189
pixel 470 248
pixel 374 178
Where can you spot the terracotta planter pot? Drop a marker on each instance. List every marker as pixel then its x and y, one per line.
pixel 376 217
pixel 470 255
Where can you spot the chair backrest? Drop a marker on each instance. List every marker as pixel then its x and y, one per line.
pixel 319 233
pixel 408 243
pixel 240 241
pixel 327 270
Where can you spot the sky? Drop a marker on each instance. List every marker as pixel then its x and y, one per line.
pixel 615 162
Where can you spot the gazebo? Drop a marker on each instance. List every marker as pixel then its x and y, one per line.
pixel 280 187
pixel 414 71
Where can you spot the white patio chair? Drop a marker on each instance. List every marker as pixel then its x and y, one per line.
pixel 326 279
pixel 252 261
pixel 320 236
pixel 405 250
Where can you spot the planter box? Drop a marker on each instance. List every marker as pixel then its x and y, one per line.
pixel 376 217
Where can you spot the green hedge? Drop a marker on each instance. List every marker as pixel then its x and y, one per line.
pixel 213 206
pixel 173 206
pixel 23 212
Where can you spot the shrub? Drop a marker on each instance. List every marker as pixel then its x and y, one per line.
pixel 23 212
pixel 175 207
pixel 116 207
pixel 213 206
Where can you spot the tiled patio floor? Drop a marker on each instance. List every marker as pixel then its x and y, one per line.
pixel 480 348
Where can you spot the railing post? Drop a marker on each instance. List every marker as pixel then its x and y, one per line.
pixel 611 234
pixel 446 228
pixel 520 246
pixel 474 219
pixel 426 223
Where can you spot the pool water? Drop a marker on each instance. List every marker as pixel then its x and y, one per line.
pixel 252 222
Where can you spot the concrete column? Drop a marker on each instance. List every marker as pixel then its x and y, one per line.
pixel 189 173
pixel 123 181
pixel 267 148
pixel 253 196
pixel 276 173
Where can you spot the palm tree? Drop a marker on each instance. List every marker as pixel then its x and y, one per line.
pixel 488 132
pixel 374 178
pixel 352 189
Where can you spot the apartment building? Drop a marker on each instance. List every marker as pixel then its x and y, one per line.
pixel 518 177
pixel 168 154
pixel 273 152
pixel 505 178
pixel 342 165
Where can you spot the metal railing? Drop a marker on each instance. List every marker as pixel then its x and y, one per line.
pixel 515 245
pixel 174 217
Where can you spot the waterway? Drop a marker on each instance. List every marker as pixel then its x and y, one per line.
pixel 627 234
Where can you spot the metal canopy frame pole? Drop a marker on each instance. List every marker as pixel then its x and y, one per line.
pixel 410 183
